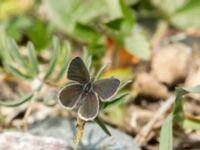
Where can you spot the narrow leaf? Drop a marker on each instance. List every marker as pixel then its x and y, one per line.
pixel 195 89
pixel 191 124
pixel 115 100
pixel 17 102
pixel 61 72
pixel 103 127
pixel 100 72
pixel 85 54
pixel 56 48
pixel 33 58
pixel 89 62
pixel 14 51
pixel 122 85
pixel 166 134
pixel 65 61
pixel 18 73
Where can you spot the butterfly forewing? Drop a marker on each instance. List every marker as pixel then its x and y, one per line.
pixel 77 71
pixel 69 96
pixel 90 107
pixel 106 88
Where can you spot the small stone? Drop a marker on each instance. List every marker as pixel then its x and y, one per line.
pixel 171 63
pixel 25 141
pixel 147 85
pixel 94 138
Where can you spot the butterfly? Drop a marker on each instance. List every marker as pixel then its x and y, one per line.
pixel 85 94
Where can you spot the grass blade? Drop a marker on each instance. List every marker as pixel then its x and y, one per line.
pixel 125 83
pixel 18 73
pixel 100 72
pixel 33 58
pixel 14 51
pixel 191 123
pixel 85 54
pixel 102 125
pixel 61 72
pixel 115 100
pixel 56 48
pixel 89 62
pixel 166 134
pixel 65 61
pixel 17 102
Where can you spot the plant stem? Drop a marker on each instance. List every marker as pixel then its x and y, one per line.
pixel 79 134
pixel 160 31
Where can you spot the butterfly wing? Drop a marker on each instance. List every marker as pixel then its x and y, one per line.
pixel 77 71
pixel 90 107
pixel 70 95
pixel 106 88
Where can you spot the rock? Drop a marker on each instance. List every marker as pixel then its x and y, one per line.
pixel 171 63
pixel 25 141
pixel 93 139
pixel 147 85
pixel 193 78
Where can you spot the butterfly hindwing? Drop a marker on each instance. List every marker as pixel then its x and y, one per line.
pixel 106 88
pixel 77 71
pixel 90 107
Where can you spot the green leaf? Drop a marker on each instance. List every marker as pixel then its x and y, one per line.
pixel 178 108
pixel 85 55
pixel 115 100
pixel 56 52
pixel 103 127
pixel 17 102
pixel 74 17
pixel 166 134
pixel 14 52
pixel 89 62
pixel 4 53
pixel 66 56
pixel 178 117
pixel 100 72
pixel 187 16
pixel 86 33
pixel 191 124
pixel 115 24
pixel 168 7
pixel 18 73
pixel 123 19
pixel 33 58
pixel 195 89
pixel 123 84
pixel 16 27
pixel 128 18
pixel 40 34
pixel 138 46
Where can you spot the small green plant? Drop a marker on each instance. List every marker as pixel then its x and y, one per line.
pixel 87 94
pixel 28 69
pixel 177 117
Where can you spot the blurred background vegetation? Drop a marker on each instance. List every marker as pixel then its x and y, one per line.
pixel 39 37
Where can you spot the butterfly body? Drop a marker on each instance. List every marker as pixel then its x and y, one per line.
pixel 85 94
pixel 88 87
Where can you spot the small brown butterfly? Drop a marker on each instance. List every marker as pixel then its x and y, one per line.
pixel 85 92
